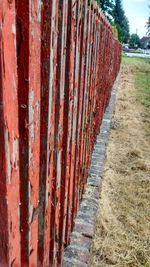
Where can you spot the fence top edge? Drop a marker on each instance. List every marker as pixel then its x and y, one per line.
pixel 94 5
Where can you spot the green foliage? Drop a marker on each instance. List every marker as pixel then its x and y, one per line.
pixel 114 27
pixel 118 12
pixel 134 41
pixel 107 8
pixel 114 12
pixel 121 22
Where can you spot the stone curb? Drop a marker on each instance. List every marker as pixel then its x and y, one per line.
pixel 77 254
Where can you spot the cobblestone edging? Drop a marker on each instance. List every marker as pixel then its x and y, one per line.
pixel 78 252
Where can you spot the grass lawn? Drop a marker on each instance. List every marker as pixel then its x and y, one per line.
pixel 142 77
pixel 122 236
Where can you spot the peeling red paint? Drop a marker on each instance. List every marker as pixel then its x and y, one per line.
pixel 9 141
pixel 58 62
pixel 29 60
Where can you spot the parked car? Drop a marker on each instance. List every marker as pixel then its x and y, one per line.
pixel 125 48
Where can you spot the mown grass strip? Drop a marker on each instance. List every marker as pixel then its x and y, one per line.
pixel 142 77
pixel 142 81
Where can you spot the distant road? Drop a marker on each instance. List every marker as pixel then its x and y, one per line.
pixel 137 55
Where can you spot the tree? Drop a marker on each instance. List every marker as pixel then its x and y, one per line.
pixel 148 26
pixel 134 41
pixel 121 22
pixel 114 12
pixel 107 8
pixel 115 31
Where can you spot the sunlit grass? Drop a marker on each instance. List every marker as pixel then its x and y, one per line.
pixel 142 77
pixel 122 236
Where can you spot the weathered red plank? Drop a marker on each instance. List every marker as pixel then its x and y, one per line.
pixel 23 84
pixel 68 113
pixel 34 125
pixel 87 115
pixel 85 103
pixel 29 59
pixel 75 118
pixel 80 107
pixel 49 234
pixel 91 131
pixel 9 140
pixel 95 56
pixel 45 101
pixel 63 14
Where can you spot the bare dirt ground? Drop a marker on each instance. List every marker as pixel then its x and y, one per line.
pixel 122 237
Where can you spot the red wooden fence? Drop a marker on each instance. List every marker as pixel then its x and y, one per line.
pixel 58 62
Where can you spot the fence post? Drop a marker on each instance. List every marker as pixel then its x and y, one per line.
pixel 9 140
pixel 29 90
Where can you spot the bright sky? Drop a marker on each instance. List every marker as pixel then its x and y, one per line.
pixel 137 12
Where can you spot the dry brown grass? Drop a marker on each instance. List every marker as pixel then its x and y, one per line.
pixel 122 237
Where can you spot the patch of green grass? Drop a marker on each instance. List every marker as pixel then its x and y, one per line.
pixel 134 60
pixel 141 69
pixel 142 81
